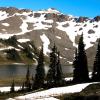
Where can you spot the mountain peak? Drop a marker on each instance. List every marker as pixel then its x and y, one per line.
pixel 53 10
pixel 49 10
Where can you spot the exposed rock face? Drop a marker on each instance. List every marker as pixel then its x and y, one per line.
pixel 97 18
pixel 48 27
pixel 91 31
pixel 37 15
pixel 82 19
pixel 13 26
pixel 12 10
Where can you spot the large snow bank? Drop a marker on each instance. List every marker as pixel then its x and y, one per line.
pixel 54 92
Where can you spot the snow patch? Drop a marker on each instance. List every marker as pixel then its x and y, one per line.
pixel 90 74
pixel 6 89
pixel 3 15
pixel 24 27
pixel 62 57
pixel 9 47
pixel 69 79
pixel 5 24
pixel 50 10
pixel 58 37
pixel 70 62
pixel 30 46
pixel 48 21
pixel 66 49
pixel 23 40
pixel 5 36
pixel 36 63
pixel 3 29
pixel 46 43
pixel 20 46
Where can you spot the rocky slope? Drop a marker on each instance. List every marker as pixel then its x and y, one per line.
pixel 48 27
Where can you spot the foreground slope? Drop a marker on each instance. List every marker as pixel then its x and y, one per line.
pixel 53 92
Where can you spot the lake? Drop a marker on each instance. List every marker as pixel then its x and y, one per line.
pixel 14 70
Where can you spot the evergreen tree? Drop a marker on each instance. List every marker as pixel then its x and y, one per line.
pixel 51 76
pixel 32 82
pixel 76 68
pixel 12 89
pixel 12 41
pixel 28 52
pixel 27 81
pixel 80 63
pixel 59 73
pixel 40 72
pixel 12 54
pixel 23 86
pixel 54 76
pixel 96 66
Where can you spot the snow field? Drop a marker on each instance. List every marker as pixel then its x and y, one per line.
pixel 73 30
pixel 54 92
pixel 46 43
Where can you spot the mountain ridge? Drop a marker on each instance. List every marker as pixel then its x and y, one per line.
pixel 48 27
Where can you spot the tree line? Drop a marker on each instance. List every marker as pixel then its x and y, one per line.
pixel 55 77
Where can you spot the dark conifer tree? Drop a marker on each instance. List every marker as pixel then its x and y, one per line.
pixel 27 81
pixel 23 86
pixel 59 73
pixel 76 68
pixel 40 72
pixel 96 66
pixel 51 76
pixel 32 82
pixel 12 89
pixel 12 54
pixel 54 76
pixel 32 79
pixel 80 65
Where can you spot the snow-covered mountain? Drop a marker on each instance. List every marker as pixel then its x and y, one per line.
pixel 48 27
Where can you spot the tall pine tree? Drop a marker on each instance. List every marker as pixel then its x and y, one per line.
pixel 51 76
pixel 54 76
pixel 12 89
pixel 27 81
pixel 59 73
pixel 80 63
pixel 76 68
pixel 40 72
pixel 96 66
